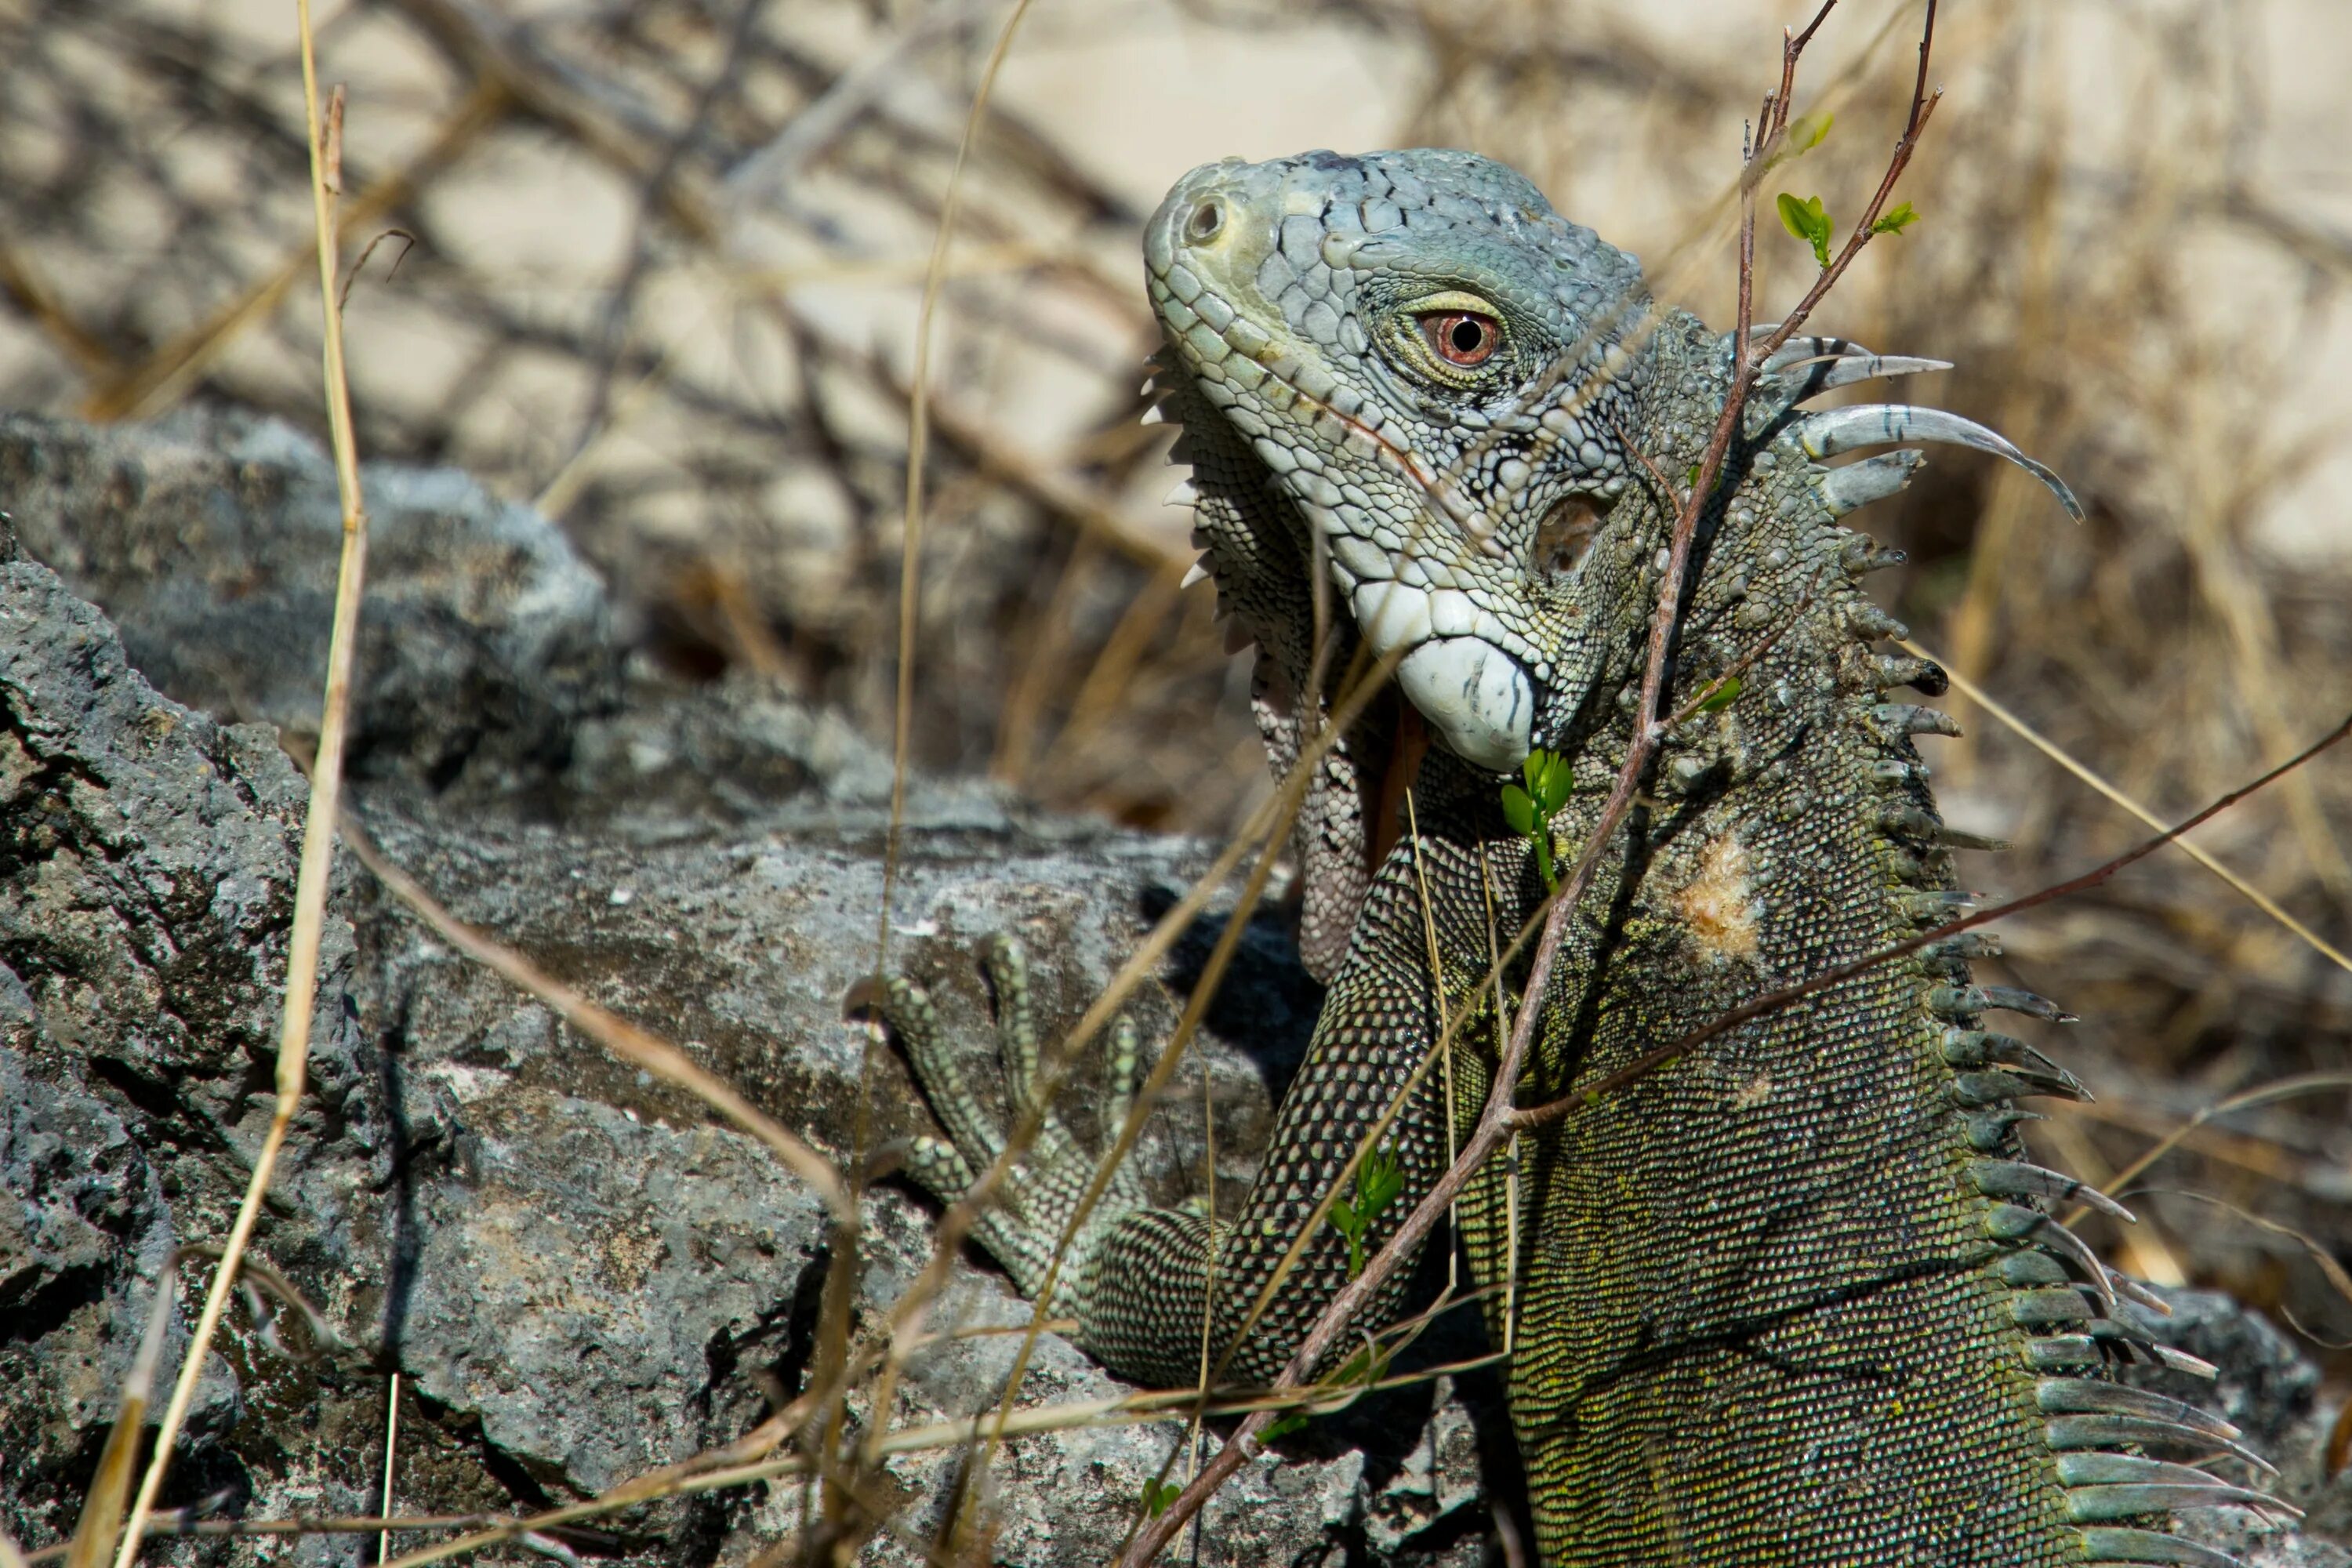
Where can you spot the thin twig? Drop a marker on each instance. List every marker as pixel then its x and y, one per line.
pixel 326 788
pixel 2050 749
pixel 391 1454
pixel 2267 1094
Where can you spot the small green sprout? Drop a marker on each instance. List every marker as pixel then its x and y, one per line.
pixel 1722 696
pixel 1283 1426
pixel 1809 222
pixel 1379 1180
pixel 1895 222
pixel 1807 132
pixel 1158 1494
pixel 1803 136
pixel 1530 811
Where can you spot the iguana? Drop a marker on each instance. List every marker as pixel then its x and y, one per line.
pixel 1797 1298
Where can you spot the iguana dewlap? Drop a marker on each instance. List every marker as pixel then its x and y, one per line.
pixel 1797 1298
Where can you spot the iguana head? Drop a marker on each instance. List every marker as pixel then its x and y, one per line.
pixel 1400 375
pixel 1427 418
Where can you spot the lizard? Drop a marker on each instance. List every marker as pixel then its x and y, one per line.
pixel 1798 1297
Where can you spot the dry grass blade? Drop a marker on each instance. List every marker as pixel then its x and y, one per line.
pixel 254 1278
pixel 732 1465
pixel 637 1047
pixel 918 406
pixel 2056 753
pixel 2329 1268
pixel 95 1535
pixel 326 787
pixel 149 388
pixel 2268 1094
pixel 918 409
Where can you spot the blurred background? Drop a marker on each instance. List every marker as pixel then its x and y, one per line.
pixel 653 265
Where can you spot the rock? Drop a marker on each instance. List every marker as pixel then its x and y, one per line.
pixel 2269 1389
pixel 212 542
pixel 577 1272
pixel 146 877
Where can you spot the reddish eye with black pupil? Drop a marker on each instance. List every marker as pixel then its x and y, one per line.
pixel 1461 337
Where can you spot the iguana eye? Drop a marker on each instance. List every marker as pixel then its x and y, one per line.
pixel 1463 338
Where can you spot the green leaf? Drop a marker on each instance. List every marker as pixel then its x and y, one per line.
pixel 1895 222
pixel 1802 219
pixel 1690 476
pixel 1808 221
pixel 1557 781
pixel 1378 1179
pixel 1284 1425
pixel 1518 809
pixel 1722 696
pixel 1159 1494
pixel 1807 132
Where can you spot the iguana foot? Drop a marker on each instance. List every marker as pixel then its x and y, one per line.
pixel 1023 1224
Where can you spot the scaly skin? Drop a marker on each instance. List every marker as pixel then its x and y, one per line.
pixel 1795 1298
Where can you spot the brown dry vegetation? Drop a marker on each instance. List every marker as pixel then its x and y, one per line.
pixel 657 271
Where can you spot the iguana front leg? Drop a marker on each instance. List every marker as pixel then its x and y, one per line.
pixel 1023 1224
pixel 1139 1279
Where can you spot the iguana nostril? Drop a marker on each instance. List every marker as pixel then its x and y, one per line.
pixel 1204 222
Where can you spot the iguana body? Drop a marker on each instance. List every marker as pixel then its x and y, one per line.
pixel 1795 1298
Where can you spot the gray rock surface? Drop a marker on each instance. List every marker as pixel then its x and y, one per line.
pixel 2270 1389
pixel 211 539
pixel 577 1273
pixel 146 872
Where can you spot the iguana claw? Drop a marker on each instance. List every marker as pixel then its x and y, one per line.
pixel 1023 1224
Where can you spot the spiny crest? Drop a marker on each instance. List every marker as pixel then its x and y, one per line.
pixel 1804 367
pixel 2117 1452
